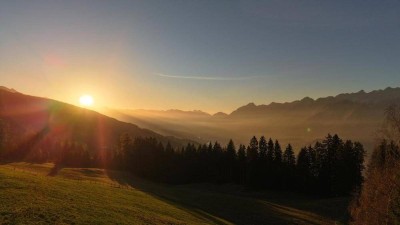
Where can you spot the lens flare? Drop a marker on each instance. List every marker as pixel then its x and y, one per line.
pixel 86 100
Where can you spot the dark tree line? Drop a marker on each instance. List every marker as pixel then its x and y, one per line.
pixel 39 148
pixel 331 167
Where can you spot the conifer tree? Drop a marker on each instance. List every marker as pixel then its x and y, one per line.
pixel 263 148
pixel 231 150
pixel 277 152
pixel 289 168
pixel 241 176
pixel 242 153
pixel 289 159
pixel 304 169
pixel 270 151
pixel 168 149
pixel 252 150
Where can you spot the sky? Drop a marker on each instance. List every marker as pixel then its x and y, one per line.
pixel 207 55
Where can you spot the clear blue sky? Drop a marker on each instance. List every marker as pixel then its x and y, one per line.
pixel 208 55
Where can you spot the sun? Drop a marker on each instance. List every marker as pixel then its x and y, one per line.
pixel 86 100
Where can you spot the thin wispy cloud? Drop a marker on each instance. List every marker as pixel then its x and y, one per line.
pixel 207 78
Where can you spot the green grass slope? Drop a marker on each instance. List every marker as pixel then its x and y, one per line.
pixel 28 195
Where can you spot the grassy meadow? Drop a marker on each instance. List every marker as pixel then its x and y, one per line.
pixel 38 194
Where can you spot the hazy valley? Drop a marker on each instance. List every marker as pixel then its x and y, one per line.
pixel 356 116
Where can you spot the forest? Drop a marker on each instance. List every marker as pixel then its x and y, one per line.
pixel 333 167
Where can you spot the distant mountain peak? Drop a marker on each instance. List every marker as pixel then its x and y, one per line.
pixel 389 88
pixel 8 89
pixel 220 114
pixel 251 104
pixel 307 99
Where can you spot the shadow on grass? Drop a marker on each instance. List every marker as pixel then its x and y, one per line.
pixel 222 208
pixel 160 192
pixel 76 173
pixel 89 172
pixel 54 171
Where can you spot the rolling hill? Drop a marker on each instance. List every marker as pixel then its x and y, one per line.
pixel 32 120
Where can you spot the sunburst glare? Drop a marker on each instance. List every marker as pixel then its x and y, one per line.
pixel 86 100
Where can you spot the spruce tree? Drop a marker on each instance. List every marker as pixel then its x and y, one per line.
pixel 242 161
pixel 289 159
pixel 277 152
pixel 168 149
pixel 231 150
pixel 252 150
pixel 242 153
pixel 270 151
pixel 263 148
pixel 303 167
pixel 289 168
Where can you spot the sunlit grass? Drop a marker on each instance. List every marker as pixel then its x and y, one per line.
pixel 97 196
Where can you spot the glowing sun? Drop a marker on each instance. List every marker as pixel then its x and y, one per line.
pixel 86 100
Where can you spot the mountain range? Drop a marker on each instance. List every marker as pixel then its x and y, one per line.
pixel 356 116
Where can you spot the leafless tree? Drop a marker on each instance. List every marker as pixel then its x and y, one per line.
pixel 379 201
